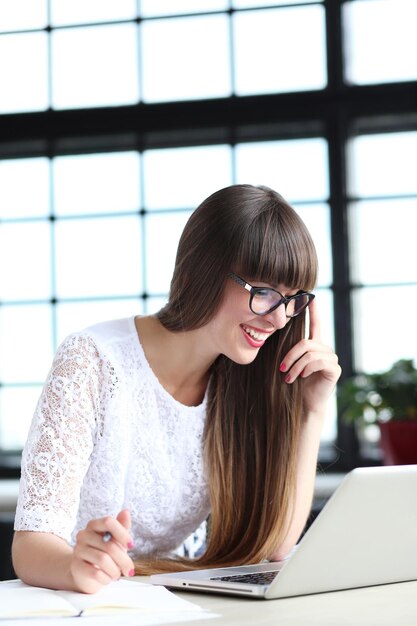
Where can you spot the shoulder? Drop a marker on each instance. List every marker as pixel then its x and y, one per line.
pixel 95 346
pixel 111 331
pixel 100 337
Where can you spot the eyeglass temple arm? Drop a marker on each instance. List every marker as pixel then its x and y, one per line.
pixel 240 281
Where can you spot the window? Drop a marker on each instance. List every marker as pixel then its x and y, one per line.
pixel 383 192
pixel 117 119
pixel 380 42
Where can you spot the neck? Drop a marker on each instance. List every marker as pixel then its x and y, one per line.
pixel 178 359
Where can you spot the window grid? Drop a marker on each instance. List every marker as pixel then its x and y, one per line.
pixel 229 14
pixel 141 214
pixel 148 296
pixel 339 109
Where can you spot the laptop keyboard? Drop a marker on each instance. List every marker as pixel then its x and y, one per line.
pixel 256 578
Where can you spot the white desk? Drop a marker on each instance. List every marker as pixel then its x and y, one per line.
pixel 387 605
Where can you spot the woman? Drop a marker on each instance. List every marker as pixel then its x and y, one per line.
pixel 214 405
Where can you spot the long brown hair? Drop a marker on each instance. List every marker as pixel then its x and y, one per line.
pixel 253 418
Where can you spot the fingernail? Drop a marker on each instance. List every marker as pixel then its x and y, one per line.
pixel 130 545
pixel 287 378
pixel 282 367
pixel 131 572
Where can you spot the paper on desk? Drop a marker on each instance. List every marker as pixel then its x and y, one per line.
pixel 157 606
pixel 148 597
pixel 127 619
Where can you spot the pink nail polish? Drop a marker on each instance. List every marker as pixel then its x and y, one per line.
pixel 282 367
pixel 131 572
pixel 287 378
pixel 130 545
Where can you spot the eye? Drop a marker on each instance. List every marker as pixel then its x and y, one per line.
pixel 263 292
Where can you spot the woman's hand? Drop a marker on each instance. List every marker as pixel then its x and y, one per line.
pixel 96 562
pixel 315 363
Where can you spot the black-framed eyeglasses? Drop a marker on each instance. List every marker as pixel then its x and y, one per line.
pixel 264 300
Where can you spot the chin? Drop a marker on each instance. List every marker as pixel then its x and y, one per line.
pixel 243 359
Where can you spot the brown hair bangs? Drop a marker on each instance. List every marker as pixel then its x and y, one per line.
pixel 277 247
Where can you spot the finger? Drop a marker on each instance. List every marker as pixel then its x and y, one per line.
pixel 124 518
pixel 99 559
pixel 91 547
pixel 326 364
pixel 314 321
pixel 305 346
pixel 120 558
pixel 119 533
pixel 87 577
pixel 311 362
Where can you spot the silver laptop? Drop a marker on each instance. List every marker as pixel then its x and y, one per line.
pixel 365 535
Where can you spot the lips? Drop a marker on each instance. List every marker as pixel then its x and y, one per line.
pixel 254 337
pixel 255 334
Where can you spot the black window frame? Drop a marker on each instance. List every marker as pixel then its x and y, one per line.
pixel 337 112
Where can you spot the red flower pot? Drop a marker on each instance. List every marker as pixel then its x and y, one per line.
pixel 399 442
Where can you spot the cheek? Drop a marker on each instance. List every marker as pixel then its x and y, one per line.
pixel 235 312
pixel 236 303
pixel 228 314
pixel 234 308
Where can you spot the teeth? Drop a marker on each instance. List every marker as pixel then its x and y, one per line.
pixel 255 334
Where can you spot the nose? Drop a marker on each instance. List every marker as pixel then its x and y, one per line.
pixel 278 318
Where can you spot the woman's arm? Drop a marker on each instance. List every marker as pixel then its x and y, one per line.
pixel 317 366
pixel 63 433
pixel 45 560
pixel 307 454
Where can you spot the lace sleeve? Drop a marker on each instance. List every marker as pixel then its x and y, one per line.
pixel 60 441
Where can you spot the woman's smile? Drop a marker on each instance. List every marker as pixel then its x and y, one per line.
pixel 254 336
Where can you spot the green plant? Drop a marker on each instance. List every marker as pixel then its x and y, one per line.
pixel 390 395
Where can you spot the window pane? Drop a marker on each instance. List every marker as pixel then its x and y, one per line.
pixel 153 305
pixel 23 14
pixel 324 300
pixel 183 177
pixel 98 183
pixel 98 257
pixel 383 164
pixel 25 249
pixel 383 241
pixel 75 316
pixel 381 43
pixel 329 432
pixel 297 168
pixel 26 343
pixel 162 236
pixel 24 188
pixel 384 330
pixel 280 50
pixel 152 8
pixel 23 79
pixel 94 66
pixel 17 405
pixel 85 11
pixel 189 65
pixel 317 219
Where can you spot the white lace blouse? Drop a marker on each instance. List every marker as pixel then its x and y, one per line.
pixel 106 436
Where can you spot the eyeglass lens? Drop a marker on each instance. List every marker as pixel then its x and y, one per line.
pixel 263 300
